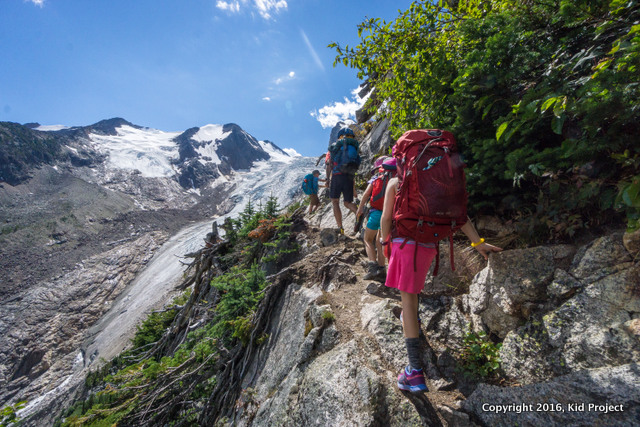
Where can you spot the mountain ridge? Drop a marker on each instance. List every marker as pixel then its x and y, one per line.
pixel 26 147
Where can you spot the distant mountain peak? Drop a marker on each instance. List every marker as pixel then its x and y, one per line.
pixel 196 157
pixel 109 126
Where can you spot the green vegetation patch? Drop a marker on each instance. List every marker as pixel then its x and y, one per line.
pixel 543 97
pixel 480 357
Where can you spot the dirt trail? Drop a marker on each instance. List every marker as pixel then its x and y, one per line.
pixel 347 301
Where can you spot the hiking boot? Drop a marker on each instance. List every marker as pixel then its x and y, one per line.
pixel 372 270
pixel 412 381
pixel 341 230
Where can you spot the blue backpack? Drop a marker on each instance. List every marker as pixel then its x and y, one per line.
pixel 345 154
pixel 307 184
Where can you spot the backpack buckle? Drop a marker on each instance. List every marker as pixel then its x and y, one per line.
pixel 419 225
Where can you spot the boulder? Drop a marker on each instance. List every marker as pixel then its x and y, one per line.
pixel 563 285
pixel 631 242
pixel 286 337
pixel 336 273
pixel 301 380
pixel 512 278
pixel 597 397
pixel 449 328
pixel 325 220
pixel 599 258
pixel 595 328
pixel 494 225
pixel 379 320
pixel 328 237
pixel 377 141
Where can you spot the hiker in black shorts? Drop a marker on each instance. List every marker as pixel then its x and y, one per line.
pixel 341 174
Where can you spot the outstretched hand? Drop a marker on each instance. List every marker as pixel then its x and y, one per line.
pixel 485 249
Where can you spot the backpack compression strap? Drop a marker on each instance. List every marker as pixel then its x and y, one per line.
pixel 380 195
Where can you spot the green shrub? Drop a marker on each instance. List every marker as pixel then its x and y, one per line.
pixel 8 414
pixel 156 324
pixel 241 291
pixel 480 357
pixel 328 316
pixel 542 96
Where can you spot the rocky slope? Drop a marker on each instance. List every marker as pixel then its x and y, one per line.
pixel 568 316
pixel 82 211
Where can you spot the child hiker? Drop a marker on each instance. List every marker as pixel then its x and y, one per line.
pixel 384 170
pixel 310 187
pixel 410 260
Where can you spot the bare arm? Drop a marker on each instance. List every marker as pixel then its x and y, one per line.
pixel 472 234
pixel 387 211
pixel 365 199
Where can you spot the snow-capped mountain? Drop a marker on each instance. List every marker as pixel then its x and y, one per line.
pixel 196 157
pixel 160 169
pixel 213 151
pixel 65 188
pixel 88 208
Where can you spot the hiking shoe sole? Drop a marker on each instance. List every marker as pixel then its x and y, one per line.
pixel 413 381
pixel 414 389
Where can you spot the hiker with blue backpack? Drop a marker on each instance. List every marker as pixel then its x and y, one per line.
pixel 384 170
pixel 342 163
pixel 310 188
pixel 425 203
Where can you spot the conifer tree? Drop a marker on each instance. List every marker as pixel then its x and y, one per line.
pixel 271 207
pixel 247 214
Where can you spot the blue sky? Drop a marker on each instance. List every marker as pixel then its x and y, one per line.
pixel 176 64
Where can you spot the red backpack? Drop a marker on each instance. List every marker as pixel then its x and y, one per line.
pixel 378 188
pixel 431 202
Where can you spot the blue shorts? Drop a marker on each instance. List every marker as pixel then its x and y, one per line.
pixel 341 184
pixel 373 223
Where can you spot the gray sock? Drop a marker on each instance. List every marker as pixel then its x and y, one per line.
pixel 413 350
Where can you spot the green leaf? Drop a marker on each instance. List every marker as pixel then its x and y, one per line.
pixel 501 130
pixel 557 123
pixel 631 195
pixel 548 103
pixel 486 110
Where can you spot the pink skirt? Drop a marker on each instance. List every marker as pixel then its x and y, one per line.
pixel 401 274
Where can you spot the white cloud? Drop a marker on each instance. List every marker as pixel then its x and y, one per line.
pixel 292 152
pixel 312 51
pixel 264 7
pixel 228 6
pixel 331 114
pixel 36 2
pixel 266 98
pixel 290 76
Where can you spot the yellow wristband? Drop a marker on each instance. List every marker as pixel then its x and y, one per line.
pixel 479 242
